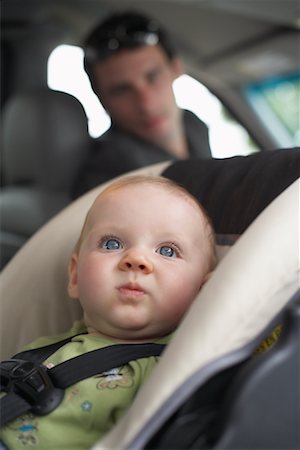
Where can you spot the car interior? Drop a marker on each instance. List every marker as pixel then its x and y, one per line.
pixel 245 55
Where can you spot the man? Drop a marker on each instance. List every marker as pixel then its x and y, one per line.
pixel 132 64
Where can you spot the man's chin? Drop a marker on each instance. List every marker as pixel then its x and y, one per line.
pixel 157 133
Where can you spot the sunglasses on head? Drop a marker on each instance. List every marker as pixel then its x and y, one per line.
pixel 122 36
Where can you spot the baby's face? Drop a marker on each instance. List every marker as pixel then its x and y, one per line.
pixel 141 263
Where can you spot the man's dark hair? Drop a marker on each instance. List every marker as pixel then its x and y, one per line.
pixel 124 30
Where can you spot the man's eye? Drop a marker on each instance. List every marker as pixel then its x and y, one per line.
pixel 111 244
pixel 166 250
pixel 153 76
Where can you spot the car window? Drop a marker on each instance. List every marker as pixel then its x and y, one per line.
pixel 276 103
pixel 227 137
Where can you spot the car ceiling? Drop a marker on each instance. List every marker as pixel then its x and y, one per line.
pixel 236 41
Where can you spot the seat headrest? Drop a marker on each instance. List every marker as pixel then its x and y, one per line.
pixel 235 190
pixel 44 133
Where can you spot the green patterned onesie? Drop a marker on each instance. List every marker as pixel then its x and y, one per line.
pixel 89 409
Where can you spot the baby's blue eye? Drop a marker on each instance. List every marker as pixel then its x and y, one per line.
pixel 165 250
pixel 111 244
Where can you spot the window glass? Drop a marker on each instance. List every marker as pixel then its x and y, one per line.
pixel 66 73
pixel 227 137
pixel 277 101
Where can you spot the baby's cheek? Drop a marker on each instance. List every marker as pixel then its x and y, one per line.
pixel 184 296
pixel 88 280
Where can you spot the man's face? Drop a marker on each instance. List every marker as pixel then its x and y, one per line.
pixel 135 87
pixel 141 263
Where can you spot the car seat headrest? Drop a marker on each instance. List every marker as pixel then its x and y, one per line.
pixel 235 190
pixel 45 139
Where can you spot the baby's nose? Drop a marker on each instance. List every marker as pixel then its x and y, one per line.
pixel 137 262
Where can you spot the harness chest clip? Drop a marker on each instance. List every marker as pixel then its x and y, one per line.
pixel 31 382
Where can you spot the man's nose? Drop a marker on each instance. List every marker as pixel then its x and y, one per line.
pixel 136 261
pixel 144 97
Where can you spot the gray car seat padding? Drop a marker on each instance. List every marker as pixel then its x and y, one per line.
pixel 250 286
pixel 45 141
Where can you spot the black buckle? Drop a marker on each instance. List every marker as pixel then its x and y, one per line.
pixel 31 382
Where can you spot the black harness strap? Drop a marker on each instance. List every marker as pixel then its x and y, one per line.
pixel 32 387
pixel 12 406
pixel 40 354
pixel 99 361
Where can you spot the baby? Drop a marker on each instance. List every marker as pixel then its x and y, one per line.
pixel 145 250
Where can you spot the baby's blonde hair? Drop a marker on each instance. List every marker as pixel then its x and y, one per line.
pixel 172 187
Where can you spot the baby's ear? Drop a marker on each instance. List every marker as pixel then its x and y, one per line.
pixel 73 290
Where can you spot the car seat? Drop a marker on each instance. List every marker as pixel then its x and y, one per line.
pixel 45 139
pixel 255 281
pixel 208 391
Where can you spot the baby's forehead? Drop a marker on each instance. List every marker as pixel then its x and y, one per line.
pixel 148 199
pixel 128 193
pixel 107 208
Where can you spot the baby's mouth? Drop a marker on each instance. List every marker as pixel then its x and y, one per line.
pixel 131 290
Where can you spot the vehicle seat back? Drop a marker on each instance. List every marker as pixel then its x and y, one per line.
pixel 45 140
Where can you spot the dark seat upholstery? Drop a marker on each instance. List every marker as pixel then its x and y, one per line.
pixel 45 139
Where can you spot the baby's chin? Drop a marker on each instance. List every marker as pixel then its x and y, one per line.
pixel 129 335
